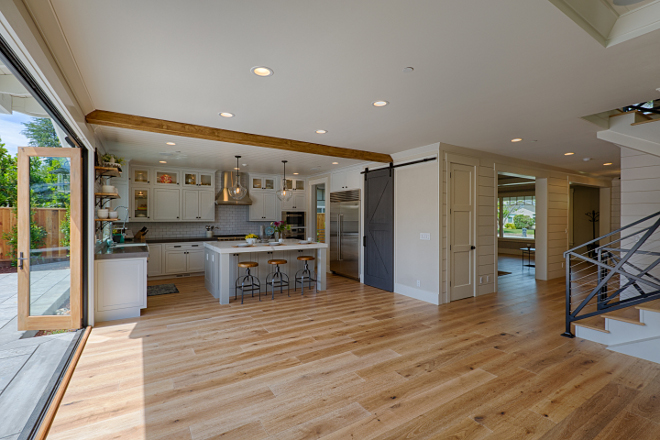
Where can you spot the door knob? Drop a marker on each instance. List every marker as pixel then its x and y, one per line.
pixel 473 247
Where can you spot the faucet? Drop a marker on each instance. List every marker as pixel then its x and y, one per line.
pixel 123 228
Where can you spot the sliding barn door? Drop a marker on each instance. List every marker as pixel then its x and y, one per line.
pixel 49 252
pixel 379 229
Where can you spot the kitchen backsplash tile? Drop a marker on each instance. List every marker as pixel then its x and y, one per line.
pixel 229 220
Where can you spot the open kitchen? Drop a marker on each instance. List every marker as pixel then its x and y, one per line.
pixel 250 234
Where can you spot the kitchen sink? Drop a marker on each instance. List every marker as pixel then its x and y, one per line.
pixel 120 245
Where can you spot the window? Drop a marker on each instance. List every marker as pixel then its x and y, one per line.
pixel 516 216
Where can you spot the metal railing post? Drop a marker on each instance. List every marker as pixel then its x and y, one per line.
pixel 568 332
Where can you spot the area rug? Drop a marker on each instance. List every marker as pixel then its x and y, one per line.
pixel 161 289
pixel 501 273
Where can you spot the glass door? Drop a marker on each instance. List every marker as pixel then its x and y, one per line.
pixel 49 257
pixel 140 201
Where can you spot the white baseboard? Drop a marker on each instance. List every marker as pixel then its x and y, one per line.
pixel 422 295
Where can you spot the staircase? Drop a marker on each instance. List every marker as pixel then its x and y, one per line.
pixel 613 289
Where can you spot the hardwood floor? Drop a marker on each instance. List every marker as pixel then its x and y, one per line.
pixel 356 363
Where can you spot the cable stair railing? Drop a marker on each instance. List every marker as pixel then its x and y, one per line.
pixel 622 273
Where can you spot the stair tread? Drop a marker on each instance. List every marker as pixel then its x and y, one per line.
pixel 629 315
pixel 593 323
pixel 653 306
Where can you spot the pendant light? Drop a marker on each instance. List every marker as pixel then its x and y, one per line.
pixel 237 191
pixel 284 194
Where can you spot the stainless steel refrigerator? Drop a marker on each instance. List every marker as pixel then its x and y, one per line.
pixel 345 233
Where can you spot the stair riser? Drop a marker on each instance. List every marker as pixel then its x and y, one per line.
pixel 592 335
pixel 649 350
pixel 624 331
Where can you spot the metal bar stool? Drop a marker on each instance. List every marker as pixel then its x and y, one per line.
pixel 277 278
pixel 248 282
pixel 304 274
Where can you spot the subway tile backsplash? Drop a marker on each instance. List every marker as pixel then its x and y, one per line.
pixel 229 219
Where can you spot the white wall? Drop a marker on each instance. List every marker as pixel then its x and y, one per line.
pixel 416 201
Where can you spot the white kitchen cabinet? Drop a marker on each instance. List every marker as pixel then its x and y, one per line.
pixel 264 207
pixel 198 205
pixel 140 204
pixel 176 262
pixel 263 183
pixel 120 288
pixel 295 184
pixel 184 257
pixel 345 180
pixel 211 272
pixel 140 175
pixel 198 179
pixel 195 262
pixel 155 261
pixel 166 177
pixel 296 203
pixel 167 204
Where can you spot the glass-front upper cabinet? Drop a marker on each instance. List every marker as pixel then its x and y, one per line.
pixel 141 203
pixel 166 177
pixel 141 175
pixel 198 179
pixel 260 182
pixel 296 184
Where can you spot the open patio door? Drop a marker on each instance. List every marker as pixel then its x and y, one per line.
pixel 49 251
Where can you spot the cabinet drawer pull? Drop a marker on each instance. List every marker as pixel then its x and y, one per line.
pixel 177 246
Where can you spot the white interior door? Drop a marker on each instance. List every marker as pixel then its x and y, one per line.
pixel 462 246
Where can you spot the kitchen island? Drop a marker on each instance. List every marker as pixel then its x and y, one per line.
pixel 221 260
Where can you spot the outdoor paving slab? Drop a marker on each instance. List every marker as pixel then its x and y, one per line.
pixel 18 351
pixel 9 368
pixel 11 437
pixel 19 398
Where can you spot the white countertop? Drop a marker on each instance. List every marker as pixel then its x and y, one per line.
pixel 228 247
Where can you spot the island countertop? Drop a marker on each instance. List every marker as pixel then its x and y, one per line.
pixel 229 247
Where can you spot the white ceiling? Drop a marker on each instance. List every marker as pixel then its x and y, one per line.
pixel 485 72
pixel 146 149
pixel 621 10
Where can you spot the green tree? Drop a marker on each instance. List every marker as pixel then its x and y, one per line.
pixel 41 133
pixel 7 177
pixel 523 221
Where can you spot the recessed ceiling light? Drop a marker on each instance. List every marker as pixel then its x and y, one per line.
pixel 586 159
pixel 295 174
pixel 227 115
pixel 516 140
pixel 380 103
pixel 321 131
pixel 261 71
pixel 408 69
pixel 244 164
pixel 236 168
pixel 568 154
pixel 162 161
pixel 607 164
pixel 335 163
pixel 170 143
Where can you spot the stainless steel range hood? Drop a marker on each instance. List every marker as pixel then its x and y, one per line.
pixel 227 180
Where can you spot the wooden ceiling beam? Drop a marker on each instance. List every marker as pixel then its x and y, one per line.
pixel 121 120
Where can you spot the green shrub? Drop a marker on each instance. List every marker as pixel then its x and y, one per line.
pixel 37 240
pixel 523 221
pixel 509 226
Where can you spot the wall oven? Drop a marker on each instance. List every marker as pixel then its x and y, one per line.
pixel 297 221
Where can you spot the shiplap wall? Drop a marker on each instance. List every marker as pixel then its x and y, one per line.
pixel 557 224
pixel 615 220
pixel 486 229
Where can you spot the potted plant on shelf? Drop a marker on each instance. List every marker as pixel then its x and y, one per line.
pixel 279 228
pixel 109 160
pixel 251 238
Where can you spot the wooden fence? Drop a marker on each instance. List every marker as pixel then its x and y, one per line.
pixel 320 227
pixel 48 218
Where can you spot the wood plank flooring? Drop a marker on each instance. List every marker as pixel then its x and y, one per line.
pixel 356 363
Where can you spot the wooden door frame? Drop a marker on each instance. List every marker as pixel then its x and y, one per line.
pixel 451 158
pixel 50 322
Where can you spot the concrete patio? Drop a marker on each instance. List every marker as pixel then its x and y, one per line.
pixel 27 363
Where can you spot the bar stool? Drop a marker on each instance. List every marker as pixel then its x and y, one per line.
pixel 248 282
pixel 278 277
pixel 304 274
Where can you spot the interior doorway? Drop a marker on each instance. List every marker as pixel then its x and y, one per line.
pixel 319 212
pixel 583 214
pixel 516 224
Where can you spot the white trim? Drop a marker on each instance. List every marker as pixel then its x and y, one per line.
pixel 311 205
pixel 422 295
